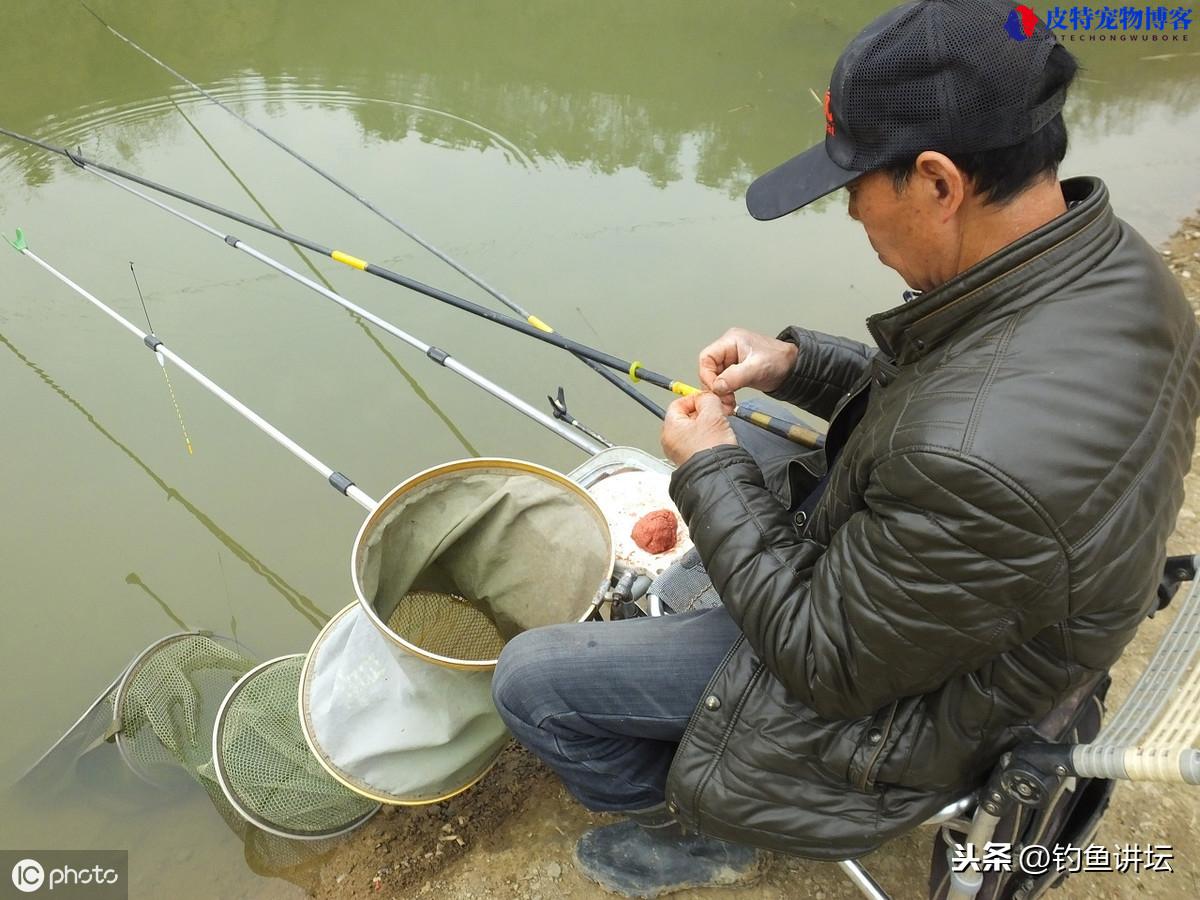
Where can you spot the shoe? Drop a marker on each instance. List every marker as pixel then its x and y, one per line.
pixel 633 861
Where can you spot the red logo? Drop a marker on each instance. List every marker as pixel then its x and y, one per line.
pixel 828 116
pixel 1020 23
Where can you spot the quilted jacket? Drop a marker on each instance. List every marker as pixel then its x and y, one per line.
pixel 990 537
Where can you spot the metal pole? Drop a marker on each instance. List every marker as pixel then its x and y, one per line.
pixel 339 481
pixel 862 880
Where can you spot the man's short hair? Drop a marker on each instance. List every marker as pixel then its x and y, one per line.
pixel 1003 173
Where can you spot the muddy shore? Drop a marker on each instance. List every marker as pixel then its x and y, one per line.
pixel 512 836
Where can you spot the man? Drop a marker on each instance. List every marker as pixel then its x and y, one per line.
pixel 990 515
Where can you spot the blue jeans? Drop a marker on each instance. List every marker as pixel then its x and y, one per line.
pixel 605 704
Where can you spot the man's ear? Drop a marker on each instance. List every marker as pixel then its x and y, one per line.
pixel 945 184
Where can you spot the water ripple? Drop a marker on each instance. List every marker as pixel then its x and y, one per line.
pixel 240 93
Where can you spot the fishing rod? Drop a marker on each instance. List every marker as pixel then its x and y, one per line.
pixel 337 480
pixel 439 356
pixel 529 317
pixel 636 371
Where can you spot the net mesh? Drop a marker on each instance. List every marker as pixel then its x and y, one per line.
pixel 166 738
pixel 265 766
pixel 521 545
pixel 167 705
pixel 446 625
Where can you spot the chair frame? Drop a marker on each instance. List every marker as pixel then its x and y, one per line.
pixel 1153 737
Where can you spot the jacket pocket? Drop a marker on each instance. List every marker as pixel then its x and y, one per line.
pixel 874 743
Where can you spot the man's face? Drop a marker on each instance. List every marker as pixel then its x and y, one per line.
pixel 902 229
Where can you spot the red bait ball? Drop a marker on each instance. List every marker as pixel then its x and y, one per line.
pixel 655 531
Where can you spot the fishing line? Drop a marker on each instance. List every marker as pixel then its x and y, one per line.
pixel 162 364
pixel 133 272
pixel 228 597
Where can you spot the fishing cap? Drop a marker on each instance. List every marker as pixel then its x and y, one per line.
pixel 956 76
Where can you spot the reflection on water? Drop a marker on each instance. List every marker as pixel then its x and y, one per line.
pixel 133 579
pixel 588 158
pixel 294 598
pixel 665 88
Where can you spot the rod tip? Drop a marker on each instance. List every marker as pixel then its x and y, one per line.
pixel 18 242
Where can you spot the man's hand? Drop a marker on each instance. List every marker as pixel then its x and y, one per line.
pixel 743 359
pixel 693 424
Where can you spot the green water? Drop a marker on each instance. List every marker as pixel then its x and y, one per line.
pixel 589 159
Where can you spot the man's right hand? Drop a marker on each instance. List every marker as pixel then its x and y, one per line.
pixel 743 359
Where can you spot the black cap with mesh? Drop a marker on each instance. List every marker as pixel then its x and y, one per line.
pixel 945 75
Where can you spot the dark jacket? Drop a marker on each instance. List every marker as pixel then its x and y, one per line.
pixel 990 538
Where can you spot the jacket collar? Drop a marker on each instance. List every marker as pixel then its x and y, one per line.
pixel 1011 278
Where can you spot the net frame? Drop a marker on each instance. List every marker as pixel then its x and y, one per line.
pixel 86 733
pixel 117 731
pixel 349 779
pixel 393 497
pixel 224 776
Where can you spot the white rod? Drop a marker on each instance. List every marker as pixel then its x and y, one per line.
pixel 353 492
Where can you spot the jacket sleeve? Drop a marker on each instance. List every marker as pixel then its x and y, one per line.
pixel 825 370
pixel 945 567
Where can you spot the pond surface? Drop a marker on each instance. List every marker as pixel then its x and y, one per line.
pixel 588 159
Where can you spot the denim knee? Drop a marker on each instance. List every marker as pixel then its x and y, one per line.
pixel 525 675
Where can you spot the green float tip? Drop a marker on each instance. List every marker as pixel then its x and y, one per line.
pixel 18 242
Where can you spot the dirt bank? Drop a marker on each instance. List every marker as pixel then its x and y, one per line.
pixel 511 837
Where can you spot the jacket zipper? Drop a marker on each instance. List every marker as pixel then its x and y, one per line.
pixel 691 726
pixel 724 742
pixel 887 731
pixel 845 402
pixel 687 732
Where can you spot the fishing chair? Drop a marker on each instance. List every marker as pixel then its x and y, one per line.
pixel 1051 791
